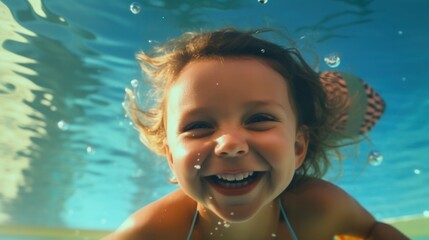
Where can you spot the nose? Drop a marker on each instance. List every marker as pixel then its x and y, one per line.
pixel 229 145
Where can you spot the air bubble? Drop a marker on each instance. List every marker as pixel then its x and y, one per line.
pixel 231 213
pixel 417 171
pixel 400 32
pixel 211 198
pixel 90 150
pixel 273 235
pixel 197 166
pixel 426 213
pixel 219 223
pixel 262 1
pixel 63 125
pixel 135 7
pixel 375 158
pixel 226 224
pixel 134 83
pixel 332 61
pixel 262 50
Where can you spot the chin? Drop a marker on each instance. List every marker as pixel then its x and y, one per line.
pixel 238 214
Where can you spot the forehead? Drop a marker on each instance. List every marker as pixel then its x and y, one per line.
pixel 211 82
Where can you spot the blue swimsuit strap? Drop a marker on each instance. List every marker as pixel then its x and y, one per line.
pixel 193 224
pixel 282 210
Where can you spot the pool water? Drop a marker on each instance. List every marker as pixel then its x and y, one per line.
pixel 70 158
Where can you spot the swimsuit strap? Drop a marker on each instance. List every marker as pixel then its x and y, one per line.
pixel 282 210
pixel 192 225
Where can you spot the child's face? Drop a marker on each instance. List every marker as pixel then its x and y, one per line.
pixel 230 119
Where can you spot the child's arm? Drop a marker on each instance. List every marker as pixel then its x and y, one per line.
pixel 340 213
pixel 381 231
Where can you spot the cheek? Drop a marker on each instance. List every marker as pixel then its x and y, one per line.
pixel 187 155
pixel 277 148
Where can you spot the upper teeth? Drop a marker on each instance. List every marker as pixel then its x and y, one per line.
pixel 234 177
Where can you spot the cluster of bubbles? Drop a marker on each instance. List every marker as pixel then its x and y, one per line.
pixel 375 158
pixel 262 1
pixel 135 7
pixel 332 60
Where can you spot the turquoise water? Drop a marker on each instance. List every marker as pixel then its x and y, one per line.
pixel 69 157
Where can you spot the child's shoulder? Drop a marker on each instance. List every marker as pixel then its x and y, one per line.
pixel 317 200
pixel 171 215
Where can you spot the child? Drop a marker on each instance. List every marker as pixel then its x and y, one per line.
pixel 247 127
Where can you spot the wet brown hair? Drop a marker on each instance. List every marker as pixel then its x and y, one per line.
pixel 164 63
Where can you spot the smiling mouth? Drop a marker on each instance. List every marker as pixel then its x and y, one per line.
pixel 235 184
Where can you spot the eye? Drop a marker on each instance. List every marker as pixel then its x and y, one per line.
pixel 196 125
pixel 261 122
pixel 257 118
pixel 198 129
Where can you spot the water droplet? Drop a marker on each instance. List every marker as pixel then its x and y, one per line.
pixel 231 213
pixel 400 32
pixel 273 235
pixel 375 158
pixel 262 1
pixel 134 83
pixel 404 79
pixel 198 159
pixel 426 213
pixel 211 198
pixel 219 223
pixel 417 171
pixel 198 154
pixel 211 233
pixel 90 150
pixel 226 224
pixel 63 125
pixel 216 228
pixel 262 50
pixel 332 61
pixel 135 7
pixel 197 166
pixel 217 84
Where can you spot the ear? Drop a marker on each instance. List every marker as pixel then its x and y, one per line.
pixel 168 156
pixel 301 145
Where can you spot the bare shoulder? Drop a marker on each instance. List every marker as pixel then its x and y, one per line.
pixel 159 220
pixel 323 201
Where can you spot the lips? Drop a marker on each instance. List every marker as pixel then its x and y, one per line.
pixel 235 184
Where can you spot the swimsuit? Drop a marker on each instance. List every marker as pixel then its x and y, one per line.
pixel 282 211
